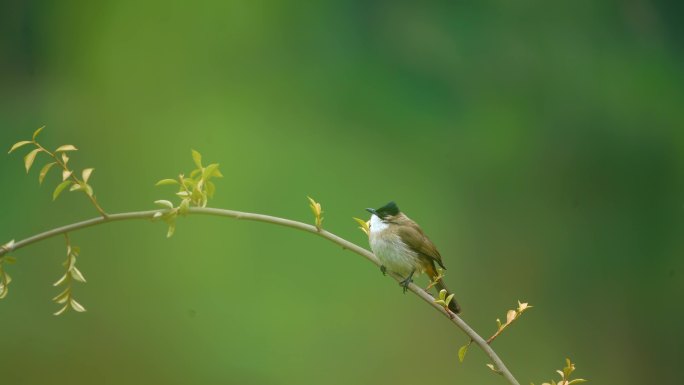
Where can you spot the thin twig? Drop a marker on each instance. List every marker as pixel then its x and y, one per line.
pixel 455 319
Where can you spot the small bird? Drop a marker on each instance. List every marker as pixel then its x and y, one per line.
pixel 403 248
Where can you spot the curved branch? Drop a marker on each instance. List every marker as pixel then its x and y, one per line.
pixel 417 290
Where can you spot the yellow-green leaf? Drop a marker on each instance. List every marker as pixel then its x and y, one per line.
pixel 29 158
pixel 164 203
pixel 165 182
pixel 197 158
pixel 184 206
pixel 462 352
pixel 76 187
pixel 172 229
pixel 66 147
pixel 66 174
pixel 77 275
pixel 211 189
pixel 60 188
pixel 44 171
pixel 76 306
pixel 62 310
pixel 577 381
pixel 86 174
pixel 209 171
pixel 35 133
pixel 60 281
pixel 18 144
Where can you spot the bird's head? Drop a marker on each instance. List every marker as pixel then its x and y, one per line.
pixel 386 212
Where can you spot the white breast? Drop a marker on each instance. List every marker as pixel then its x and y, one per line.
pixel 391 250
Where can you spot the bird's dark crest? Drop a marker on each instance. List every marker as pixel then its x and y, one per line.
pixel 388 209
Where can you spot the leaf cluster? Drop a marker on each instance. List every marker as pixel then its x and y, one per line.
pixel 59 158
pixel 71 274
pixel 195 190
pixel 565 375
pixel 317 212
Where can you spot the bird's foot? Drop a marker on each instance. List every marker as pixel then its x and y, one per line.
pixel 383 269
pixel 405 283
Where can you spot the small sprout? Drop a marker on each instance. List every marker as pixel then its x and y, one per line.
pixel 66 147
pixel 30 157
pixel 565 375
pixel 523 306
pixel 157 215
pixel 494 369
pixel 435 281
pixel 444 299
pixel 511 316
pixel 317 211
pixel 363 225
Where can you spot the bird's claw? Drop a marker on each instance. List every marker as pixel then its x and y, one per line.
pixel 383 269
pixel 405 284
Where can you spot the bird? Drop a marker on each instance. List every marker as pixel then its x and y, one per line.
pixel 403 248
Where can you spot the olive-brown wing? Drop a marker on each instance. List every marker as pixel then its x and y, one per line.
pixel 414 238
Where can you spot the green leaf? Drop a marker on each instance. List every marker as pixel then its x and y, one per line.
pixel 462 352
pixel 60 188
pixel 29 158
pixel 9 259
pixel 63 296
pixel 77 275
pixel 184 206
pixel 172 229
pixel 76 306
pixel 165 182
pixel 577 381
pixel 18 144
pixel 35 133
pixel 62 310
pixel 66 174
pixel 60 281
pixel 76 187
pixel 211 189
pixel 209 171
pixel 66 147
pixel 44 171
pixel 86 174
pixel 197 158
pixel 164 203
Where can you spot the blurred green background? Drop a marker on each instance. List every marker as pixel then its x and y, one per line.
pixel 540 145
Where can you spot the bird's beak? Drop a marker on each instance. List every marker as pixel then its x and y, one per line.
pixel 372 211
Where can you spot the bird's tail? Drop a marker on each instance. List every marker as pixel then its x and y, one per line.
pixel 453 305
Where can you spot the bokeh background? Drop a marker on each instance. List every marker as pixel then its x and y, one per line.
pixel 540 145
